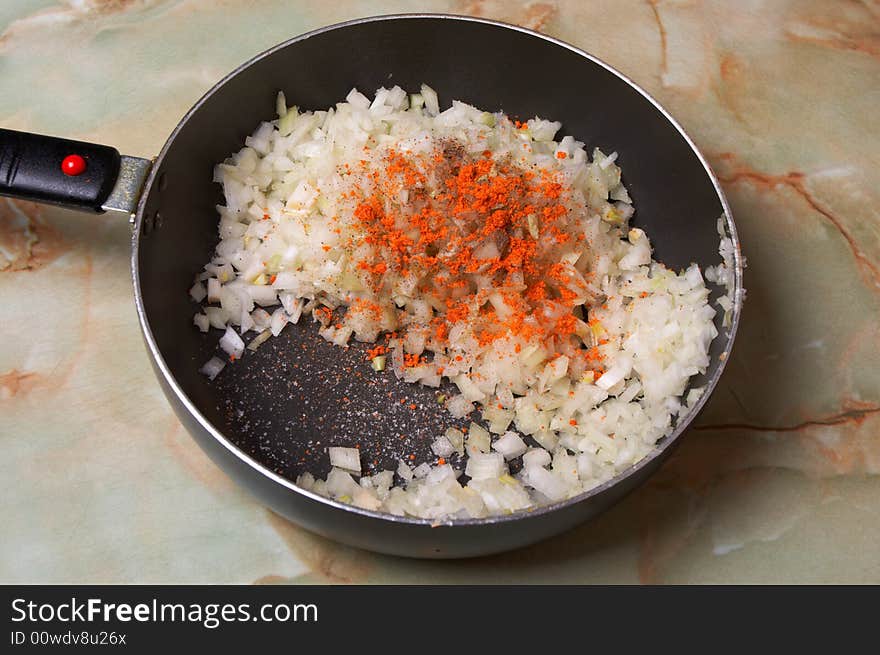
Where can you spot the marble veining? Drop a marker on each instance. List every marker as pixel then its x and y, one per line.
pixel 778 481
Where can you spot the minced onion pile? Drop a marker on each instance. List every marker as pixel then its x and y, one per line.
pixel 463 245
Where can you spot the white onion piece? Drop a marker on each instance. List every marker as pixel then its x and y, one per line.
pixel 432 103
pixel 484 466
pixel 442 447
pixel 202 322
pixel 261 318
pixel 536 457
pixel 440 473
pixel 404 470
pixel 213 292
pixel 422 470
pixel 459 406
pixel 478 439
pixel 615 374
pixel 341 485
pixel 456 438
pixel 305 481
pixel 366 499
pixel 217 317
pixel 290 303
pixel 212 367
pixel 510 445
pixel 247 323
pixel 546 482
pixel 198 292
pixel 231 343
pixel 263 295
pixel 345 458
pixel 279 320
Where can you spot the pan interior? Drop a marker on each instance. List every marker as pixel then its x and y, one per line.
pixel 298 394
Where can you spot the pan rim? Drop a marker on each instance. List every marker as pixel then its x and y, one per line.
pixel 659 449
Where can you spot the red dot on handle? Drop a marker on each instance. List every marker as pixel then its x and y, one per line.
pixel 73 165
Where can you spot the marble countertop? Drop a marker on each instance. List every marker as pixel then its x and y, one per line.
pixel 778 482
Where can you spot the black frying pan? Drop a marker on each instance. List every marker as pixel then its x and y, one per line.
pixel 271 415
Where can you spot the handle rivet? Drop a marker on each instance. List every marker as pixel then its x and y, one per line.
pixel 73 165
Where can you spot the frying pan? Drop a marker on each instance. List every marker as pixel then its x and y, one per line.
pixel 271 415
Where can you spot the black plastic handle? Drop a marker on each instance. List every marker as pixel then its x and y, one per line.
pixel 30 168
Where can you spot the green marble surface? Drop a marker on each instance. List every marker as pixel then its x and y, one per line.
pixel 777 483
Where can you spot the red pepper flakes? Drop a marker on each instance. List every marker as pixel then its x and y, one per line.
pixel 376 352
pixel 440 237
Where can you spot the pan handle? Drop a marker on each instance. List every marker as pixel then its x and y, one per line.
pixel 74 174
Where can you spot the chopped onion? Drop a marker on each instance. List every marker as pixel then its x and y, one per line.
pixel 440 473
pixel 247 323
pixel 484 466
pixel 261 318
pixel 615 374
pixel 217 317
pixel 231 343
pixel 442 447
pixel 305 481
pixel 478 439
pixel 345 458
pixel 341 485
pixel 263 295
pixel 202 322
pixel 259 339
pixel 278 321
pixel 459 406
pixel 366 498
pixel 404 471
pixel 213 292
pixel 421 471
pixel 198 292
pixel 536 457
pixel 510 445
pixel 456 438
pixel 287 237
pixel 546 482
pixel 212 367
pixel 432 103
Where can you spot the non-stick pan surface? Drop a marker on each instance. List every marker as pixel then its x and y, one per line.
pixel 271 415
